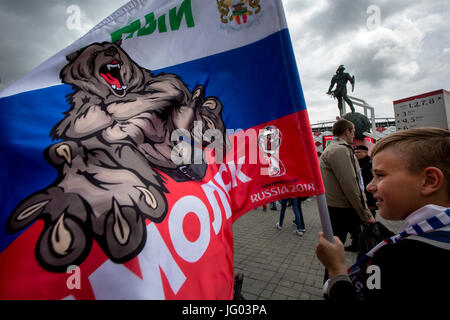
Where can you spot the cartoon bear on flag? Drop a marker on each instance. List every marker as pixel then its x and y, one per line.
pixel 115 138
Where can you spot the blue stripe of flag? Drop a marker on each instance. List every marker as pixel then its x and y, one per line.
pixel 417 229
pixel 441 236
pixel 404 234
pixel 435 222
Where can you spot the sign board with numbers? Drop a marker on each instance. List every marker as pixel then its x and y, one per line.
pixel 430 109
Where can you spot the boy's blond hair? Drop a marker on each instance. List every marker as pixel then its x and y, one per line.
pixel 423 147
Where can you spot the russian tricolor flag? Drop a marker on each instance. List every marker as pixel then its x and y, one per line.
pixel 112 181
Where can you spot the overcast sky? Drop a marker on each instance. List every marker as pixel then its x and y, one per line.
pixel 395 49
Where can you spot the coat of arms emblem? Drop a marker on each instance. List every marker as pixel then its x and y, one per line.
pixel 236 14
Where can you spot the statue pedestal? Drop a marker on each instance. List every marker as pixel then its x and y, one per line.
pixel 365 106
pixel 362 124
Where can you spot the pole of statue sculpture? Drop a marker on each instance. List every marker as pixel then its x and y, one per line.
pixel 343 110
pixel 325 217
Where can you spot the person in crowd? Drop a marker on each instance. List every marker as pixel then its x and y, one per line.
pixel 411 183
pixel 284 203
pixel 341 177
pixel 365 164
pixel 273 206
pixel 300 211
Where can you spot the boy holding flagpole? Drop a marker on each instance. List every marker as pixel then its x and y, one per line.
pixel 411 183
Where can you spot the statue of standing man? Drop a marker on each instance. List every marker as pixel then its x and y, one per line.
pixel 340 79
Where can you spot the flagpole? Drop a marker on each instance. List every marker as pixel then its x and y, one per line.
pixel 325 217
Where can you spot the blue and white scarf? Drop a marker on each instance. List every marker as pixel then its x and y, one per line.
pixel 435 229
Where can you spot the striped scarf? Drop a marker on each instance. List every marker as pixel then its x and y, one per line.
pixel 436 228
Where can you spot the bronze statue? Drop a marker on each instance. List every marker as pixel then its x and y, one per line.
pixel 340 79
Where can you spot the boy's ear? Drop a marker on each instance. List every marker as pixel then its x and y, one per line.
pixel 434 180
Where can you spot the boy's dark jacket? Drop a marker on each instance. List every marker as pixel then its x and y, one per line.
pixel 409 270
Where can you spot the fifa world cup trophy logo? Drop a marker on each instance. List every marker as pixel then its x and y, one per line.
pixel 269 142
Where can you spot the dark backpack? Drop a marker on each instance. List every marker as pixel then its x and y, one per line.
pixel 371 235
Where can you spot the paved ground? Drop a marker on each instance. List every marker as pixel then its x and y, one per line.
pixel 278 264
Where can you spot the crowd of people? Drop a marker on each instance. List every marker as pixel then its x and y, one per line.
pixel 405 177
pixel 410 183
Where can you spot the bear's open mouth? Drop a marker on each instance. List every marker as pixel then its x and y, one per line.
pixel 111 73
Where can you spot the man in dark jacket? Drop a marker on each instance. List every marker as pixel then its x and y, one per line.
pixel 365 164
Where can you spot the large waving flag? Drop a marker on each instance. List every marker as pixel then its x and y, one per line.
pixel 126 157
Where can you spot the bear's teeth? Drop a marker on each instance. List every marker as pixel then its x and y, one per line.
pixel 109 66
pixel 120 88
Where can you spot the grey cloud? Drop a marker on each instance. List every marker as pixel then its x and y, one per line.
pixel 36 30
pixel 370 70
pixel 339 17
pixel 366 62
